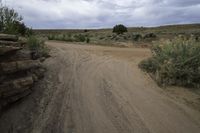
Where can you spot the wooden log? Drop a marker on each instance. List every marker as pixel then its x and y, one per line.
pixel 9 43
pixel 20 55
pixel 8 49
pixel 16 86
pixel 29 64
pixel 8 67
pixel 7 37
pixel 11 67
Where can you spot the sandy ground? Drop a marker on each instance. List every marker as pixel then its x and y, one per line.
pixel 94 89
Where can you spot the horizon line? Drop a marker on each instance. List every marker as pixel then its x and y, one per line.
pixel 101 28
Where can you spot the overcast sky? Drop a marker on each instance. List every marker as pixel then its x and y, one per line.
pixel 105 13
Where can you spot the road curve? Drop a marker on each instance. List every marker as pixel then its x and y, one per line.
pixel 95 92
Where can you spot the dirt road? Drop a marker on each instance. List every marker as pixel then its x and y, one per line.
pixel 93 89
pixel 98 92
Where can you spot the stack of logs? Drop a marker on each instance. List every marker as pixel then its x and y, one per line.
pixel 18 71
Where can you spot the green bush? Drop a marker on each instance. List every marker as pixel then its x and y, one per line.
pixel 79 38
pixel 119 29
pixel 88 40
pixel 101 37
pixel 86 30
pixel 51 37
pixel 34 43
pixel 60 37
pixel 29 32
pixel 37 47
pixel 175 62
pixel 11 22
pixel 149 65
pixel 136 37
pixel 150 35
pixel 68 37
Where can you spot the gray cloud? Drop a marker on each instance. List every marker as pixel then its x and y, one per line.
pixel 105 13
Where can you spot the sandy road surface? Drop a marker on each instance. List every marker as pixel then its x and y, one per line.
pixel 93 89
pixel 97 93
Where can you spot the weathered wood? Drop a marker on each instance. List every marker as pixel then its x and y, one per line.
pixel 7 37
pixel 9 43
pixel 18 71
pixel 14 87
pixel 11 67
pixel 8 49
pixel 8 67
pixel 24 65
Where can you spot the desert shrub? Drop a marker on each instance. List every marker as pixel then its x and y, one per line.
pixel 37 47
pixel 109 36
pixel 79 38
pixel 11 22
pixel 101 37
pixel 86 30
pixel 119 29
pixel 29 32
pixel 149 35
pixel 69 35
pixel 61 37
pixel 113 36
pixel 88 40
pixel 125 37
pixel 175 62
pixel 136 37
pixel 197 38
pixel 149 65
pixel 51 37
pixel 21 28
pixel 68 39
pixel 34 43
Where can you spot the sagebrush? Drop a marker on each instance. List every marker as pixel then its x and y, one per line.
pixel 175 62
pixel 11 22
pixel 37 47
pixel 69 37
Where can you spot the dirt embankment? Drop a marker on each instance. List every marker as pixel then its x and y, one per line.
pixel 93 89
